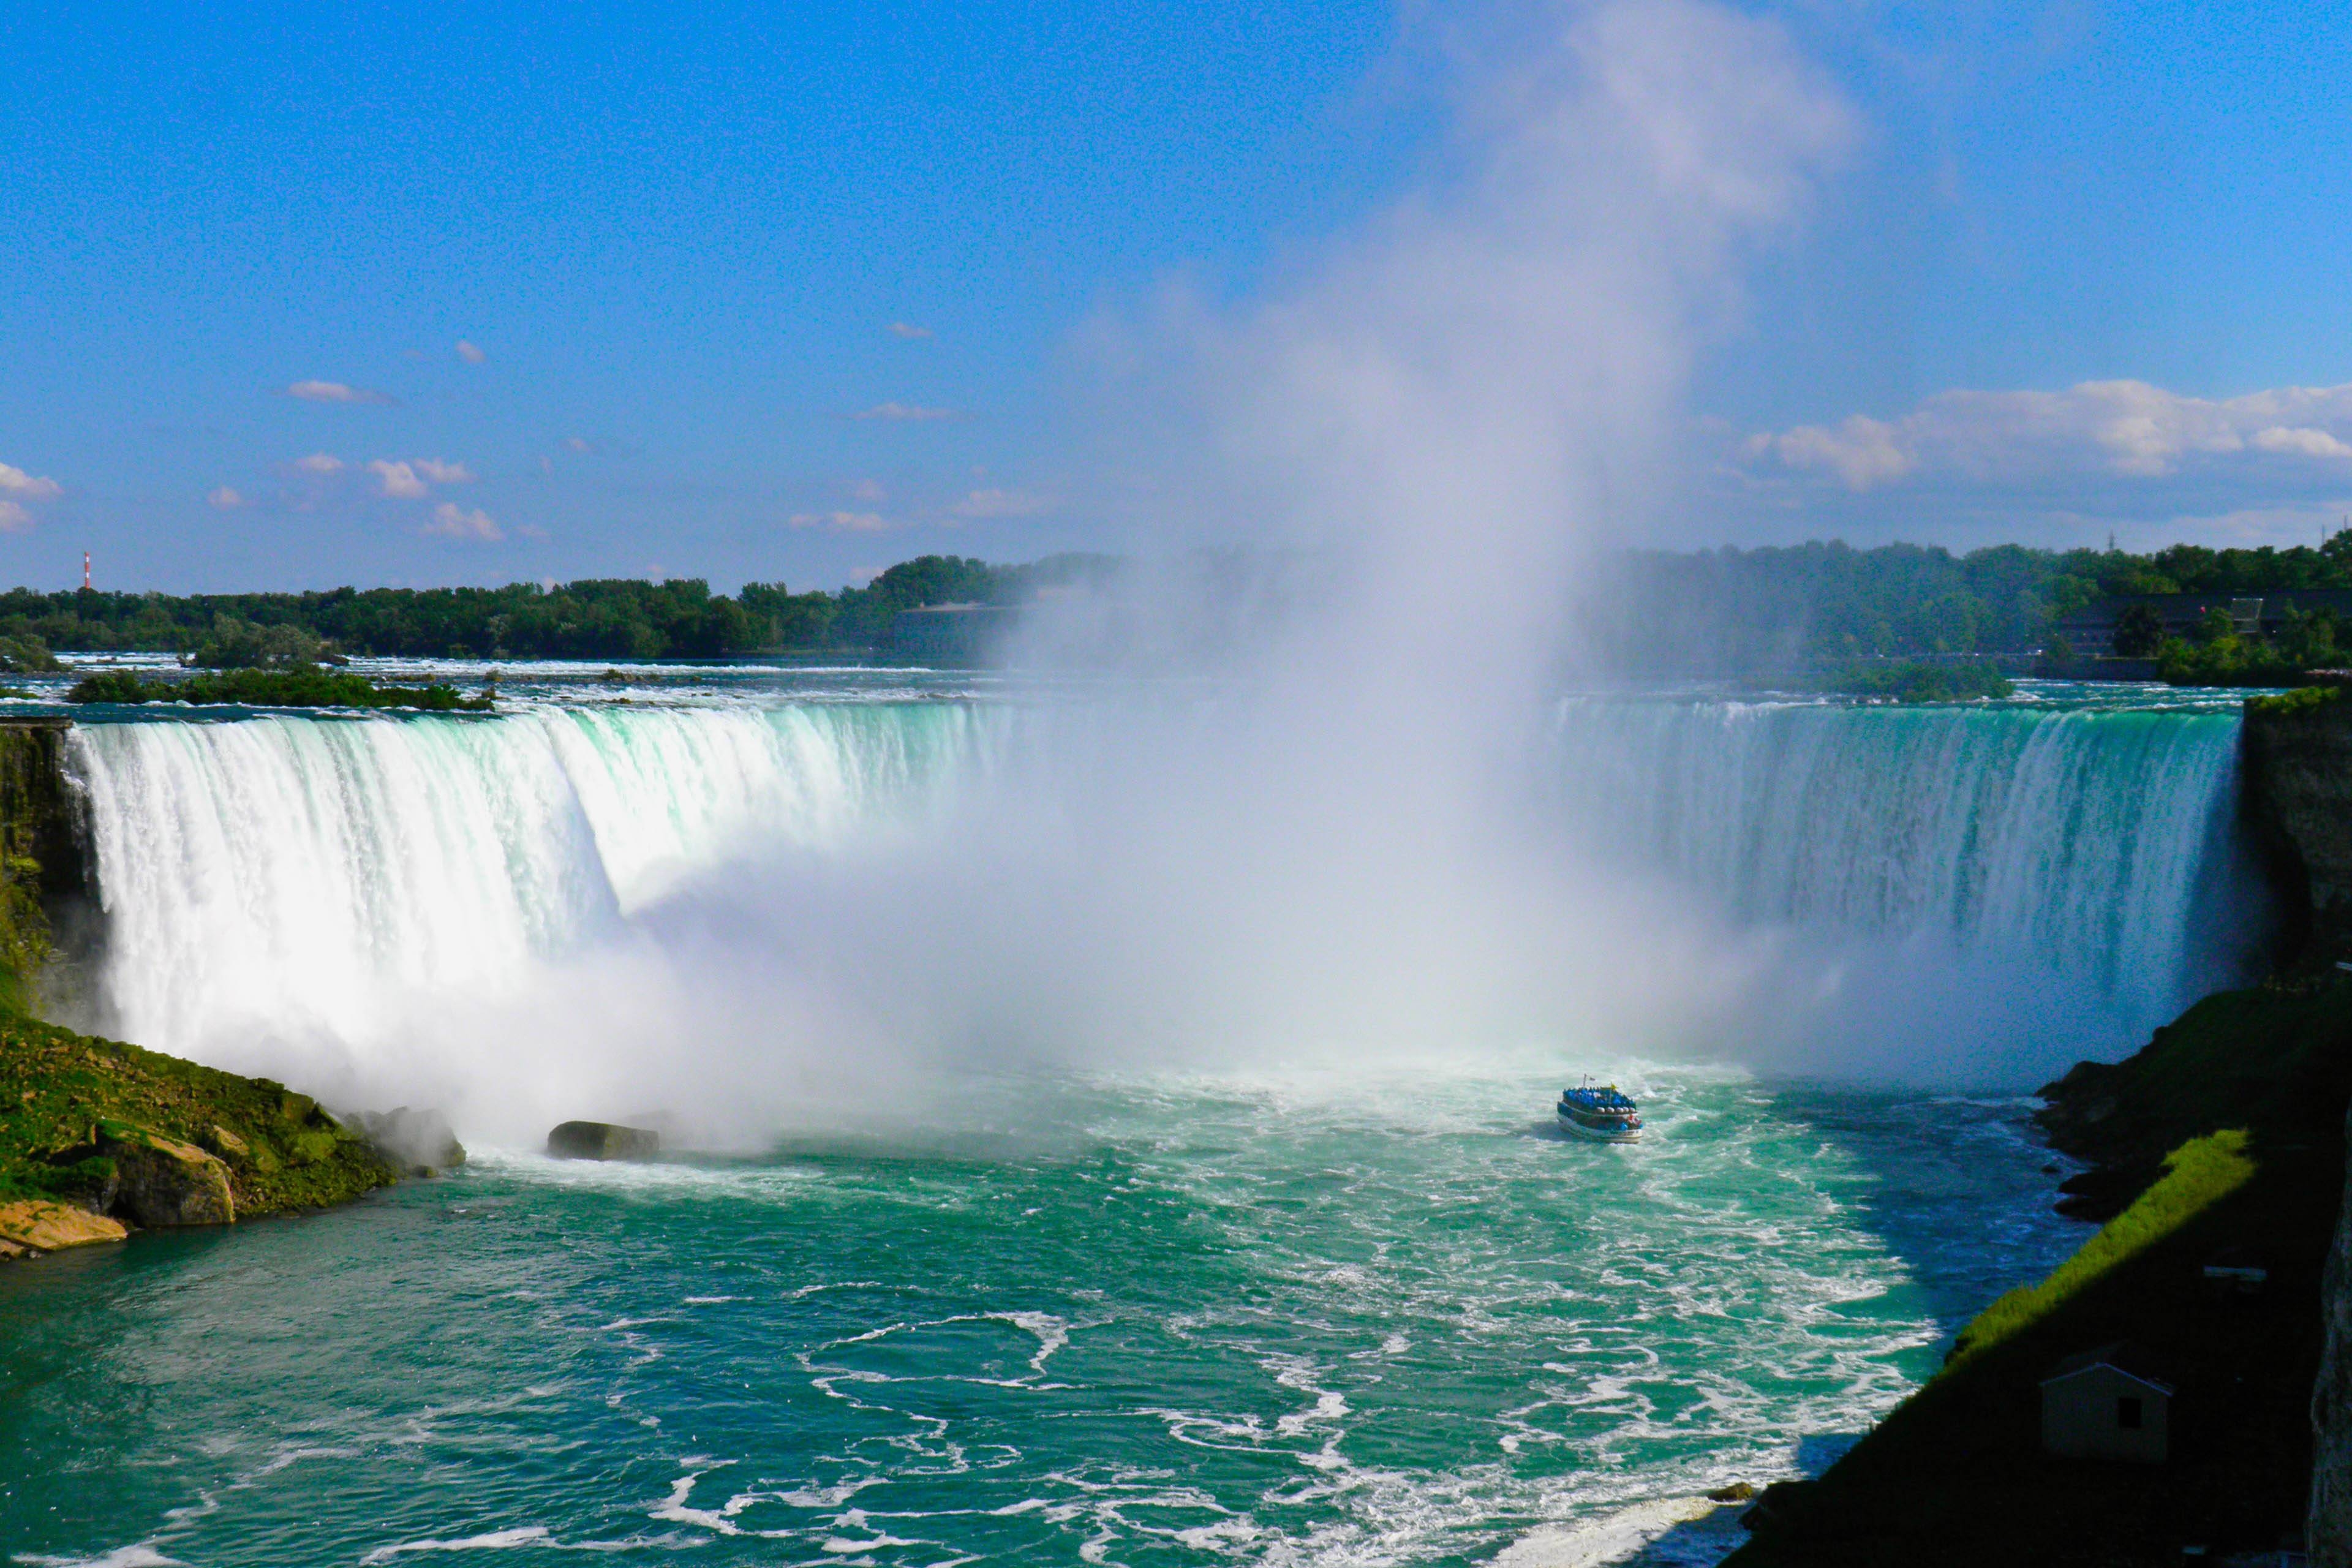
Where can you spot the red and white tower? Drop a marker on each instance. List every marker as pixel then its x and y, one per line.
pixel 85 571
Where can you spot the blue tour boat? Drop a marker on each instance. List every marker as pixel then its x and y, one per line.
pixel 1602 1114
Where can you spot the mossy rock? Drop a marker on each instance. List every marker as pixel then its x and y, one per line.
pixel 69 1102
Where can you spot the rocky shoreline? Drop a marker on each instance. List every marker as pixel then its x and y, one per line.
pixel 99 1139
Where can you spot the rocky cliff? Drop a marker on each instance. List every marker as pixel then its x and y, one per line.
pixel 2298 794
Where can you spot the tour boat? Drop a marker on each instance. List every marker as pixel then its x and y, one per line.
pixel 1600 1114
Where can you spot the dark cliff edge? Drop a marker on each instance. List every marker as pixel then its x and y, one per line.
pixel 99 1138
pixel 2220 1145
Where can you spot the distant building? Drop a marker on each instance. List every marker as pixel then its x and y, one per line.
pixel 2105 1404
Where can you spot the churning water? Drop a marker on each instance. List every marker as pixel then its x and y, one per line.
pixel 1169 1320
pixel 1125 1314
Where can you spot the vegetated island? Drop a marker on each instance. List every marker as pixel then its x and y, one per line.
pixel 1917 680
pixel 2217 1163
pixel 300 687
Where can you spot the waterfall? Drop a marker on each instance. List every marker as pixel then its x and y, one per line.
pixel 2091 853
pixel 284 873
pixel 1986 891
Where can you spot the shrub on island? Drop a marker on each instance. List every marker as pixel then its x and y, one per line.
pixel 1918 680
pixel 306 686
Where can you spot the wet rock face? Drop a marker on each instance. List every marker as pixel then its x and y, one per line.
pixel 2328 1532
pixel 162 1182
pixel 602 1140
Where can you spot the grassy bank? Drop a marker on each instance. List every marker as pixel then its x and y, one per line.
pixel 2223 1136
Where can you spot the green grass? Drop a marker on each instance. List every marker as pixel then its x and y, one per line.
pixel 58 1088
pixel 2198 1174
pixel 303 688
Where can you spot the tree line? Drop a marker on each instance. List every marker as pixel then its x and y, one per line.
pixel 607 618
pixel 1732 611
pixel 1728 611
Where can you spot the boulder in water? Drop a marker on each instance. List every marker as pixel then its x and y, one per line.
pixel 163 1182
pixel 416 1142
pixel 39 1226
pixel 602 1140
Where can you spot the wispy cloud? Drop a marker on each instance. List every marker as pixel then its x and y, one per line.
pixel 469 353
pixel 841 521
pixel 578 444
pixel 335 391
pixel 320 463
pixel 453 521
pixel 14 519
pixel 868 491
pixel 442 473
pixel 400 481
pixel 994 502
pixel 226 499
pixel 15 481
pixel 905 411
pixel 907 330
pixel 2110 430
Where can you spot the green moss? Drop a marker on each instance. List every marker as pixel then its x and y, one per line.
pixel 299 687
pixel 59 1090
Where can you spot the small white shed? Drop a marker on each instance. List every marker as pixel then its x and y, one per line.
pixel 2105 1404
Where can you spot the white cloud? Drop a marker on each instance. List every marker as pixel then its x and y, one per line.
pixel 907 330
pixel 451 522
pixel 904 411
pixel 442 473
pixel 579 444
pixel 843 521
pixel 15 481
pixel 868 491
pixel 14 519
pixel 226 499
pixel 469 353
pixel 320 463
pixel 2125 430
pixel 400 481
pixel 996 503
pixel 334 391
pixel 2303 441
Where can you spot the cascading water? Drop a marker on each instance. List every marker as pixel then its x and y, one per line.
pixel 2080 862
pixel 1978 892
pixel 283 874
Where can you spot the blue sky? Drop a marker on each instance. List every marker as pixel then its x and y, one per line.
pixel 300 296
